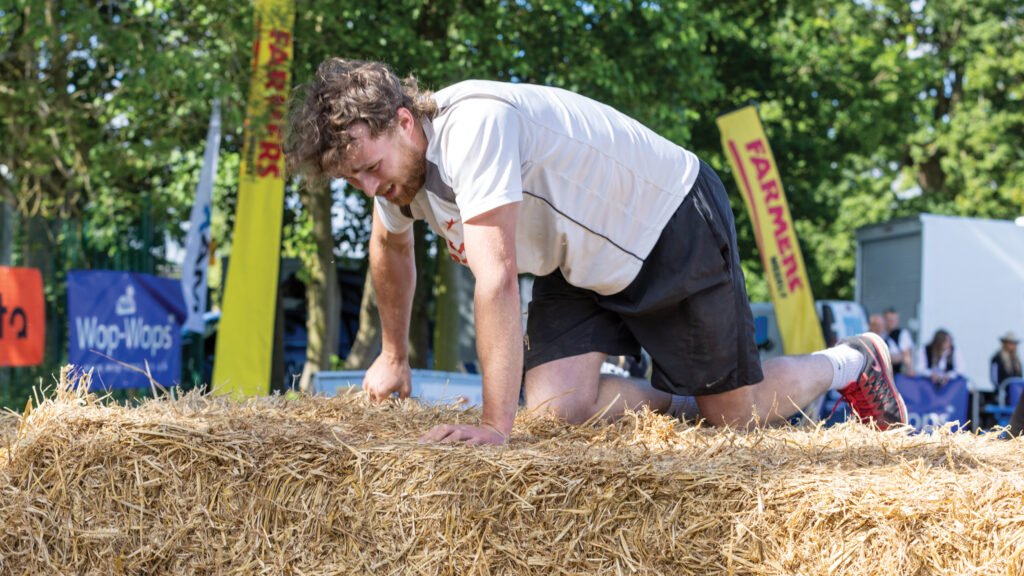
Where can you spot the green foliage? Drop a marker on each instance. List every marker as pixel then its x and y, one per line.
pixel 874 108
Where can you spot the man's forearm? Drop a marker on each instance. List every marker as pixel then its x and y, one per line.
pixel 499 345
pixel 393 267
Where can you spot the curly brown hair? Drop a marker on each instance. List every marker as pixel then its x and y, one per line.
pixel 346 91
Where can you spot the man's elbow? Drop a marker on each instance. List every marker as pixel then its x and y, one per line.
pixel 500 280
pixel 386 243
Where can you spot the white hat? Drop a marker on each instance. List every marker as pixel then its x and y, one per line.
pixel 1009 337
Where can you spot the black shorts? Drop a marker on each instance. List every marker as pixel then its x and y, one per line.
pixel 687 307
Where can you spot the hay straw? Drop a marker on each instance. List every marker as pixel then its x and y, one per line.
pixel 204 485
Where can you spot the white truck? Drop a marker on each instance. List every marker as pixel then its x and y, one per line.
pixel 965 275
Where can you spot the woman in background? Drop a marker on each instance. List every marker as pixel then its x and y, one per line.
pixel 939 360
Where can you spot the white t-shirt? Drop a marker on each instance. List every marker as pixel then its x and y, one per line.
pixel 596 187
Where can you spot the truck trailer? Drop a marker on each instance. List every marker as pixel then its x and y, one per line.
pixel 964 275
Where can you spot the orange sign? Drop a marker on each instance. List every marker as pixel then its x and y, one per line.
pixel 22 317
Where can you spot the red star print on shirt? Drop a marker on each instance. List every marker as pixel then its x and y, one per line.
pixel 450 223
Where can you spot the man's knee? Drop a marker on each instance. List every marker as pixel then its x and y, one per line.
pixel 733 408
pixel 566 387
pixel 566 404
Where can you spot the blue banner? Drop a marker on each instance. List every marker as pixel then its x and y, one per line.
pixel 927 407
pixel 1013 392
pixel 931 407
pixel 132 318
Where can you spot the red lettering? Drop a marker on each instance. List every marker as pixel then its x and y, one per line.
pixel 274 131
pixel 772 192
pixel 763 166
pixel 784 244
pixel 757 147
pixel 780 223
pixel 789 262
pixel 275 103
pixel 271 152
pixel 278 56
pixel 277 80
pixel 281 36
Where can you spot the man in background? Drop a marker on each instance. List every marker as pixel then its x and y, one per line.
pixel 876 324
pixel 901 344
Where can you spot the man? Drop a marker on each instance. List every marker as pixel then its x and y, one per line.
pixel 901 344
pixel 630 237
pixel 876 324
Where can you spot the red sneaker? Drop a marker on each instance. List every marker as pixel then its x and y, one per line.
pixel 873 396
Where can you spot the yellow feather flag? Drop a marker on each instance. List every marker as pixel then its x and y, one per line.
pixel 754 166
pixel 245 339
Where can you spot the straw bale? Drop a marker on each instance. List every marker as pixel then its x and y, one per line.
pixel 314 485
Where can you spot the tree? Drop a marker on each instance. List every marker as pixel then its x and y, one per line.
pixel 322 286
pixel 103 107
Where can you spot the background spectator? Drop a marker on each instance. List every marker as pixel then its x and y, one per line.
pixel 1004 364
pixel 940 360
pixel 901 344
pixel 877 325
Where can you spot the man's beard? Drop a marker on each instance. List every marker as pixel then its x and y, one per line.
pixel 417 166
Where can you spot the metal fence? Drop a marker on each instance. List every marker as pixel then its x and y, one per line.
pixel 56 246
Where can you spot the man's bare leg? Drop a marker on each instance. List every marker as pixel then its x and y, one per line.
pixel 574 389
pixel 789 384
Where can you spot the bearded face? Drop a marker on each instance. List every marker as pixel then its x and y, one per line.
pixel 388 165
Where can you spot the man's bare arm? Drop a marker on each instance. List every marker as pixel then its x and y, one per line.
pixel 393 266
pixel 491 251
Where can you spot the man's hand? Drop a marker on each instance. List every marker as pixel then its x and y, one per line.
pixel 388 374
pixel 471 435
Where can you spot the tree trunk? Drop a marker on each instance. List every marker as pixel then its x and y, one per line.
pixel 419 326
pixel 321 291
pixel 446 330
pixel 6 225
pixel 367 342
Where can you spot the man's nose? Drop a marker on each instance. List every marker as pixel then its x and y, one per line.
pixel 369 185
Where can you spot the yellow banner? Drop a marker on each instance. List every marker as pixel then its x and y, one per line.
pixel 752 162
pixel 245 339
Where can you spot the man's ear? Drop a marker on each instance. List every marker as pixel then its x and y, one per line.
pixel 406 121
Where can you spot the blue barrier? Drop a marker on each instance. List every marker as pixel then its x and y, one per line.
pixel 931 407
pixel 429 386
pixel 1009 393
pixel 1013 392
pixel 927 406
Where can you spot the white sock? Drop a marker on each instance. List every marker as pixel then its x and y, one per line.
pixel 846 364
pixel 683 407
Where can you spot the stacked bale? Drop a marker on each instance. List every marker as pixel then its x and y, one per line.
pixel 313 485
